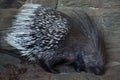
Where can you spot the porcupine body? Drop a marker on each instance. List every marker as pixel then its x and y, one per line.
pixel 50 37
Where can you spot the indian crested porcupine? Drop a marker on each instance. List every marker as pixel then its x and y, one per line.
pixel 50 37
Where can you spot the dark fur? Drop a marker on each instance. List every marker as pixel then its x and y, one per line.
pixel 82 41
pixel 78 47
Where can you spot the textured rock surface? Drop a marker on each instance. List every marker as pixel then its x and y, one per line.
pixel 11 3
pixel 105 12
pixel 46 3
pixel 90 3
pixel 111 19
pixel 79 3
pixel 18 3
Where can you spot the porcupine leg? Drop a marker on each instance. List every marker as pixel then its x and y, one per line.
pixel 49 64
pixel 79 64
pixel 53 62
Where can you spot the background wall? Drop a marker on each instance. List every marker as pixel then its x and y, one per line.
pixel 105 12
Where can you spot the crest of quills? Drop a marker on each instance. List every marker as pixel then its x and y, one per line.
pixel 37 31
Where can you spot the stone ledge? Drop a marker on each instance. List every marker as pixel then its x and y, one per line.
pixel 90 3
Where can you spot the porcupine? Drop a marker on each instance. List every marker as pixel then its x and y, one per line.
pixel 50 37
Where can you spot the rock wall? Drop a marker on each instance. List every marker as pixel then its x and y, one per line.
pixel 46 3
pixel 11 3
pixel 90 3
